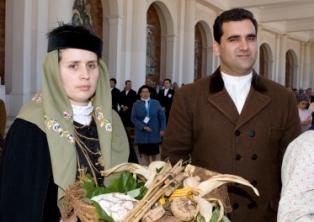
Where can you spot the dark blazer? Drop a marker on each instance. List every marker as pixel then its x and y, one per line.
pixel 166 100
pixel 115 98
pixel 127 100
pixel 205 125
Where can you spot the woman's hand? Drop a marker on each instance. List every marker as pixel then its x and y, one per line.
pixel 147 129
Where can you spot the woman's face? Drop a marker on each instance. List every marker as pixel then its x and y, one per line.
pixel 144 93
pixel 303 104
pixel 79 73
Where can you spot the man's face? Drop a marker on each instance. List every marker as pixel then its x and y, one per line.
pixel 167 84
pixel 128 85
pixel 112 84
pixel 238 47
pixel 79 73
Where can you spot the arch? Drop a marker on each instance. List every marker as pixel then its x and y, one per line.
pixel 96 12
pixel 203 50
pixel 88 13
pixel 265 60
pixel 2 39
pixel 291 68
pixel 164 46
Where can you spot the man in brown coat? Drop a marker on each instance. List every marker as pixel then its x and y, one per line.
pixel 235 121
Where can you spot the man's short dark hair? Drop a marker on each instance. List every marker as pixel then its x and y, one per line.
pixel 113 80
pixel 127 81
pixel 236 14
pixel 169 80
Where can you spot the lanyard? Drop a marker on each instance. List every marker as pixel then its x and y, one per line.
pixel 147 107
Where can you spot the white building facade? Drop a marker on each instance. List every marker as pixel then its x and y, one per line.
pixel 125 43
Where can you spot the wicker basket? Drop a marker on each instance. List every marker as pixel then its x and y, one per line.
pixel 164 184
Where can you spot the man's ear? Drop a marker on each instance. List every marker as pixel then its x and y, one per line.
pixel 216 48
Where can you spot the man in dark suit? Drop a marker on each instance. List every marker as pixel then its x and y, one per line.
pixel 165 97
pixel 114 94
pixel 126 99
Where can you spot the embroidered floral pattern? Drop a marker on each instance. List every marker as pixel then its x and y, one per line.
pixel 56 127
pixel 103 122
pixel 67 115
pixel 37 98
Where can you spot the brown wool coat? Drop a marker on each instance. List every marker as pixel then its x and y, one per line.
pixel 205 125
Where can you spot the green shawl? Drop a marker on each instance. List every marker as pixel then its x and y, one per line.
pixel 52 112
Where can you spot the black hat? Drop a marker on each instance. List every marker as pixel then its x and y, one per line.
pixel 70 36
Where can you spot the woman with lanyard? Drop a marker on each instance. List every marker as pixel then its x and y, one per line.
pixel 66 131
pixel 150 122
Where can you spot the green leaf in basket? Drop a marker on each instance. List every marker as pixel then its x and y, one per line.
pixel 88 185
pixel 142 193
pixel 215 216
pixel 123 184
pixel 225 219
pixel 200 218
pixel 102 215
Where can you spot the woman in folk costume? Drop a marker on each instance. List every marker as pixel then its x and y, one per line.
pixel 66 130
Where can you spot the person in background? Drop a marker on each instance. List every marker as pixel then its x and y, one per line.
pixel 68 130
pixel 114 94
pixel 235 121
pixel 297 175
pixel 150 122
pixel 152 85
pixel 308 93
pixel 126 99
pixel 305 114
pixel 3 118
pixel 165 97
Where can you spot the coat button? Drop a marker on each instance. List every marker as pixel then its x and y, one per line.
pixel 237 133
pixel 235 206
pixel 237 156
pixel 251 205
pixel 251 133
pixel 254 182
pixel 254 157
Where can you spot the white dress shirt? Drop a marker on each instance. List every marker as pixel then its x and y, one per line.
pixel 238 88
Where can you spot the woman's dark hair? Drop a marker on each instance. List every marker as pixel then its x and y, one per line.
pixel 143 87
pixel 236 14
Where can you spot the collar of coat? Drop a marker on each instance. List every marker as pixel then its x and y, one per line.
pixel 217 84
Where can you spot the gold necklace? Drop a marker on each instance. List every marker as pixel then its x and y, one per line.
pixel 85 137
pixel 85 150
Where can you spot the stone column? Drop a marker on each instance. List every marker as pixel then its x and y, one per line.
pixel 115 46
pixel 188 47
pixel 280 59
pixel 138 46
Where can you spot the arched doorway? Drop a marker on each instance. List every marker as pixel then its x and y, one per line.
pixel 159 42
pixel 203 53
pixel 88 13
pixel 153 44
pixel 2 39
pixel 291 68
pixel 265 61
